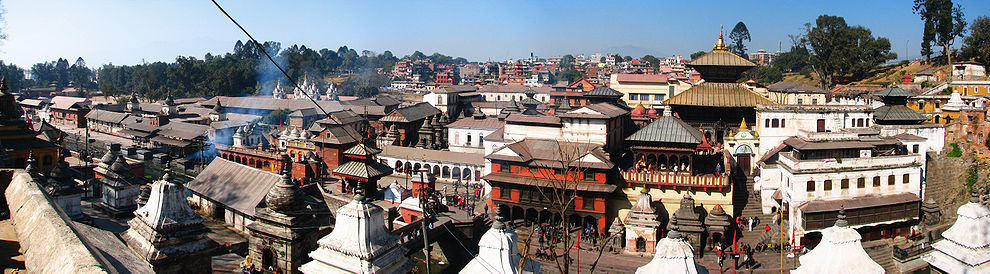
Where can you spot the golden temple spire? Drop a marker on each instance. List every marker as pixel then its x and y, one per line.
pixel 720 44
pixel 742 126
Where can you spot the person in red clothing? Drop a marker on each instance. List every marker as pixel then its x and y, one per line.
pixel 766 228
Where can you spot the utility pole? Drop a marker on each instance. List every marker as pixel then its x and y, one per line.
pixel 424 204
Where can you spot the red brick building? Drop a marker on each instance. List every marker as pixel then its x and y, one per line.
pixel 69 110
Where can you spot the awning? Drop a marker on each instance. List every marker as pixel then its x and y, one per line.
pixel 859 202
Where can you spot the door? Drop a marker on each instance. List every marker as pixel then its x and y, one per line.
pixel 821 125
pixel 744 162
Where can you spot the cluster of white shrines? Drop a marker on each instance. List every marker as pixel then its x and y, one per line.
pixel 360 242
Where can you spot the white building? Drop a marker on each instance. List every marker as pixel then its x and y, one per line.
pixel 467 134
pixel 493 93
pixel 648 90
pixel 776 123
pixel 965 247
pixel 877 179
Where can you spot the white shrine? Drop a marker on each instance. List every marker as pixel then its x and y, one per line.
pixel 840 251
pixel 674 254
pixel 359 243
pixel 498 252
pixel 965 247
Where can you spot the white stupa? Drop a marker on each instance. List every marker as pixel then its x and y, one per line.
pixel 674 254
pixel 840 251
pixel 955 102
pixel 278 92
pixel 359 243
pixel 965 247
pixel 498 252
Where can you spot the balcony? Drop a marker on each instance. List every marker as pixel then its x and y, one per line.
pixel 787 160
pixel 676 179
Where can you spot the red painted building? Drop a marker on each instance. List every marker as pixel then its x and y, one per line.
pixel 69 110
pixel 522 173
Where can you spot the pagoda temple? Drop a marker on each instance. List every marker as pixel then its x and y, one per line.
pixel 674 254
pixel 121 186
pixel 498 252
pixel 894 110
pixel 719 225
pixel 17 139
pixel 718 103
pixel 63 189
pixel 965 247
pixel 359 243
pixel 166 232
pixel 840 251
pixel 362 171
pixel 690 221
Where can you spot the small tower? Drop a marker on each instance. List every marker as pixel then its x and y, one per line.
pixel 239 140
pixel 133 105
pixel 284 229
pixel 642 225
pixel 217 114
pixel 965 245
pixel 689 222
pixel 839 251
pixel 169 107
pixel 121 188
pixel 498 252
pixel 166 232
pixel 617 232
pixel 425 134
pixel 361 171
pixel 674 254
pixel 719 225
pixel 278 92
pixel 64 190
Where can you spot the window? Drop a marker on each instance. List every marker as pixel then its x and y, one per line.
pixel 588 203
pixel 589 175
pixel 800 101
pixel 828 185
pixel 907 179
pixel 876 181
pixel 861 183
pixel 775 123
pixel 469 139
pixel 814 101
pixel 670 90
pixel 768 123
pixel 844 184
pixel 533 170
pixel 811 186
pixel 914 149
pixel 504 167
pixel 921 106
pixel 782 122
pixel 633 96
pixel 890 180
pixel 658 97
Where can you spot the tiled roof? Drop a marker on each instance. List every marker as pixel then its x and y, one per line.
pixel 795 87
pixel 433 155
pixel 800 144
pixel 472 123
pixel 338 135
pixel 497 136
pixel 183 131
pixel 667 129
pixel 718 95
pixel 139 123
pixel 894 91
pixel 642 78
pixel 859 202
pixel 106 116
pixel 234 185
pixel 580 186
pixel 371 169
pixel 362 150
pixel 554 152
pixel 32 102
pixel 411 113
pixel 65 102
pixel 603 110
pixel 516 118
pixel 604 92
pixel 721 58
pixel 898 113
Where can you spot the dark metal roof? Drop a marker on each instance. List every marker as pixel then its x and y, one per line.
pixel 359 169
pixel 362 150
pixel 718 95
pixel 106 116
pixel 604 110
pixel 549 153
pixel 668 129
pixel 898 113
pixel 893 91
pixel 433 155
pixel 603 92
pixel 234 185
pixel 411 113
pixel 859 202
pixel 580 186
pixel 805 145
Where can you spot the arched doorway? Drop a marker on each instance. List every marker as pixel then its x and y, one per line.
pixel 467 174
pixel 416 167
pixel 455 173
pixel 436 170
pixel 446 172
pixel 744 155
pixel 640 244
pixel 267 258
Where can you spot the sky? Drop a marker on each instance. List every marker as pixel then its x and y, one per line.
pixel 131 32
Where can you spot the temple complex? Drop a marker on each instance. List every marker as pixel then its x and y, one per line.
pixel 166 232
pixel 362 171
pixel 840 251
pixel 965 247
pixel 121 186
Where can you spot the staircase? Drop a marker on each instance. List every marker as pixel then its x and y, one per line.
pixel 881 252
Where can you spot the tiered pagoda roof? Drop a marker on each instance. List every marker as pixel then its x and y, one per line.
pixel 895 110
pixel 720 69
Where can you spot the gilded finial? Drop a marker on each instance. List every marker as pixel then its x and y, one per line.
pixel 720 44
pixel 742 126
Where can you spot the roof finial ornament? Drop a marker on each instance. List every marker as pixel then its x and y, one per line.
pixel 720 44
pixel 742 126
pixel 841 220
pixel 975 196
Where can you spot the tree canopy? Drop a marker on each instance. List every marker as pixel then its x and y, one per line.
pixel 697 54
pixel 738 36
pixel 944 22
pixel 837 49
pixel 976 46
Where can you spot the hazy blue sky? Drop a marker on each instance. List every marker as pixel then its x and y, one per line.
pixel 127 32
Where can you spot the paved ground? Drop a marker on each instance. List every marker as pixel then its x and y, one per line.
pixel 11 259
pixel 102 137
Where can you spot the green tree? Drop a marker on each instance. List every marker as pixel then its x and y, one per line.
pixel 838 49
pixel 14 76
pixel 792 61
pixel 738 36
pixel 764 75
pixel 277 117
pixel 566 62
pixel 569 75
pixel 976 46
pixel 626 58
pixel 697 54
pixel 944 22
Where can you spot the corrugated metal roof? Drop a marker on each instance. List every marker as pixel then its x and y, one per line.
pixel 893 91
pixel 271 103
pixel 473 123
pixel 580 186
pixel 362 150
pixel 859 202
pixel 604 92
pixel 106 116
pixel 234 185
pixel 721 58
pixel 805 145
pixel 433 155
pixel 363 170
pixel 718 95
pixel 668 129
pixel 411 113
pixel 65 102
pixel 897 113
pixel 553 152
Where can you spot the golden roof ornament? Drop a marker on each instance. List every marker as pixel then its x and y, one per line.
pixel 742 126
pixel 720 44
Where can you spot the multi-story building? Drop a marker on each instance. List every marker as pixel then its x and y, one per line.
pixel 649 90
pixel 69 110
pixel 762 57
pixel 776 123
pixel 796 93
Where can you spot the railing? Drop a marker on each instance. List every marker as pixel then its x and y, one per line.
pixel 676 179
pixel 247 151
pixel 911 252
pixel 788 160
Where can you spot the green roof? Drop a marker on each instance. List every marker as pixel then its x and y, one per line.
pixel 667 129
pixel 899 113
